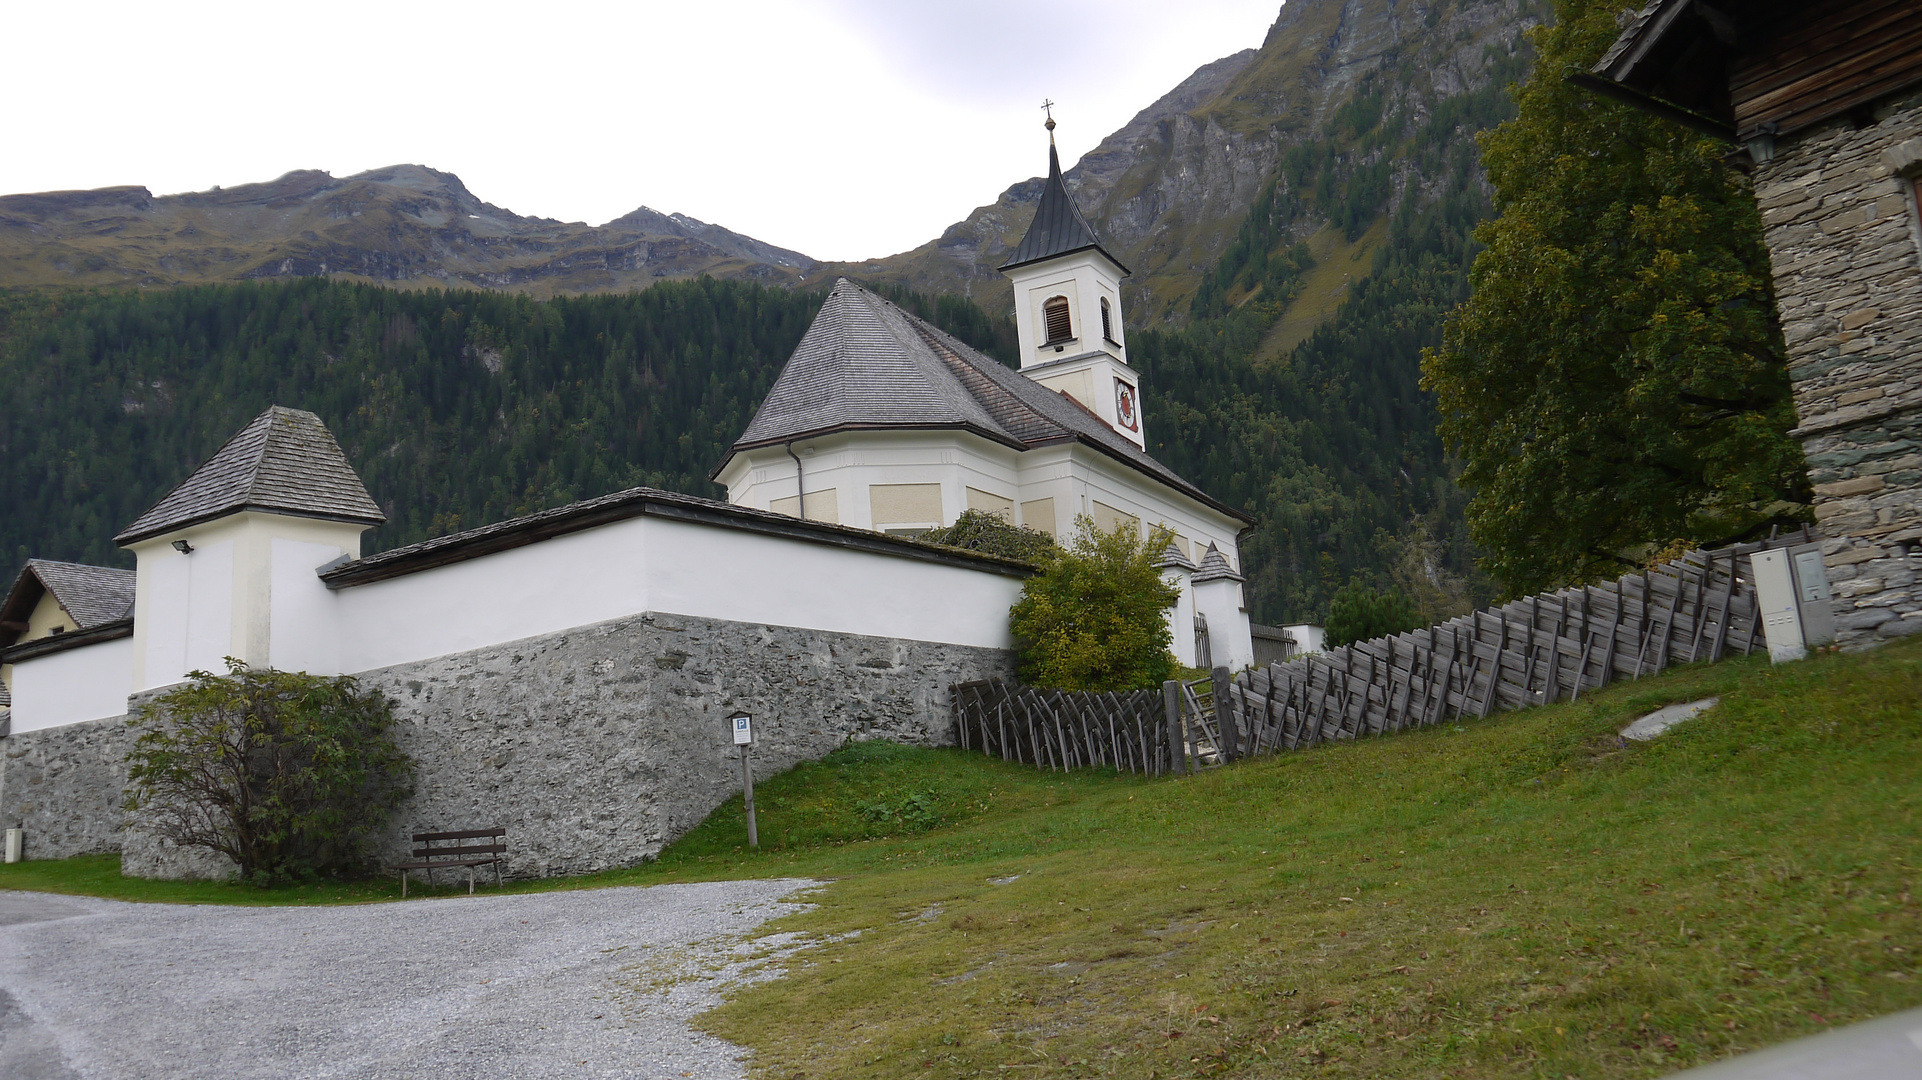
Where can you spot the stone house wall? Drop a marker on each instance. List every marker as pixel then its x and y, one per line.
pixel 595 747
pixel 1845 244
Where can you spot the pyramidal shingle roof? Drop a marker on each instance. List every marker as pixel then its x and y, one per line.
pixel 1058 227
pixel 865 364
pixel 1214 566
pixel 1173 558
pixel 284 462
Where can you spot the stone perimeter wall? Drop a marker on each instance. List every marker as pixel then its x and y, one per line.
pixel 1846 250
pixel 62 785
pixel 594 747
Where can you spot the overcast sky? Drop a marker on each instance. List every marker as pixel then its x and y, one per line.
pixel 844 129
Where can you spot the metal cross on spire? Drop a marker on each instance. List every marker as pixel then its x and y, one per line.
pixel 1047 106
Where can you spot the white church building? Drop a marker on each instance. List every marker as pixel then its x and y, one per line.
pixel 566 673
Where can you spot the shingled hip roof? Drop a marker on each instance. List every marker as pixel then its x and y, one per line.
pixel 284 462
pixel 867 365
pixel 1058 227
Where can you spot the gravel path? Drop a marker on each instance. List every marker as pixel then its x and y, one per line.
pixel 596 983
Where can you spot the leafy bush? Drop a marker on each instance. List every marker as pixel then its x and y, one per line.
pixel 978 530
pixel 1358 613
pixel 1092 619
pixel 287 774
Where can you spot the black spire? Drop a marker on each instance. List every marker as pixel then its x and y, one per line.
pixel 1058 227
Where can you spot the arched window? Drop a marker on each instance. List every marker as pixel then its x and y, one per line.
pixel 1055 314
pixel 1107 323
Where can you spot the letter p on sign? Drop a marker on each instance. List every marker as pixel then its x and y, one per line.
pixel 743 729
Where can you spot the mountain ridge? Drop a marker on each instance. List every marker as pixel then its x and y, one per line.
pixel 1167 191
pixel 404 225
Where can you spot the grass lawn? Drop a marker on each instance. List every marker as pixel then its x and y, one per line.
pixel 1520 896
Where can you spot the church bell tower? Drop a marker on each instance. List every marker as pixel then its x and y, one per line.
pixel 1067 309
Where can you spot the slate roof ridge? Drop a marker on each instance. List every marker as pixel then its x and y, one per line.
pixel 1214 567
pixel 1058 227
pixel 284 461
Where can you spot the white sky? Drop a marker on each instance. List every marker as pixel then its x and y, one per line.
pixel 845 129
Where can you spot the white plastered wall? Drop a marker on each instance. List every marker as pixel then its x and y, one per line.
pixel 650 564
pixel 46 618
pixel 1087 367
pixel 67 687
pixel 1230 641
pixel 1181 617
pixel 853 463
pixel 1085 278
pixel 748 577
pixel 194 609
pixel 573 580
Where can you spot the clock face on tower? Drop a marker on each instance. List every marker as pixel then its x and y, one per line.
pixel 1127 410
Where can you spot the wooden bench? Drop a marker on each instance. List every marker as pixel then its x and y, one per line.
pixel 455 853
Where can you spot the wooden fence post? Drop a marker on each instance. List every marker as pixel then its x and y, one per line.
pixel 1225 714
pixel 1171 702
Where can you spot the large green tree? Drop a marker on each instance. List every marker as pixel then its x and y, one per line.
pixel 1617 379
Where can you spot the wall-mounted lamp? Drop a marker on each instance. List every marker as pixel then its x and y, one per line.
pixel 183 547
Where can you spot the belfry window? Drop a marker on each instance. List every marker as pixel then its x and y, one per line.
pixel 1055 314
pixel 1107 323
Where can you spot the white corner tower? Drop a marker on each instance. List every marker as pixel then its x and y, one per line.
pixel 1067 309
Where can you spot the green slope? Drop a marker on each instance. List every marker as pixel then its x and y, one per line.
pixel 1519 896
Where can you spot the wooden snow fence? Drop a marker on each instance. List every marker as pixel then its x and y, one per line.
pixel 1064 729
pixel 1547 648
pixel 1543 649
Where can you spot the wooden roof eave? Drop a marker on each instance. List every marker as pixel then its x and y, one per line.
pixel 1694 121
pixel 17 608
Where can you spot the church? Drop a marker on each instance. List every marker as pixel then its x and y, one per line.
pixel 566 673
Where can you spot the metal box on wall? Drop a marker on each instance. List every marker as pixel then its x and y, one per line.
pixel 1813 600
pixel 1792 590
pixel 1776 597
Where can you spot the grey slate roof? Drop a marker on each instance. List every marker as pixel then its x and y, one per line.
pixel 1171 557
pixel 1639 28
pixel 1058 227
pixel 1215 567
pixel 285 461
pixel 861 364
pixel 865 364
pixel 92 596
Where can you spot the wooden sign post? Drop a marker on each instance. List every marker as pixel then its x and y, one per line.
pixel 743 726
